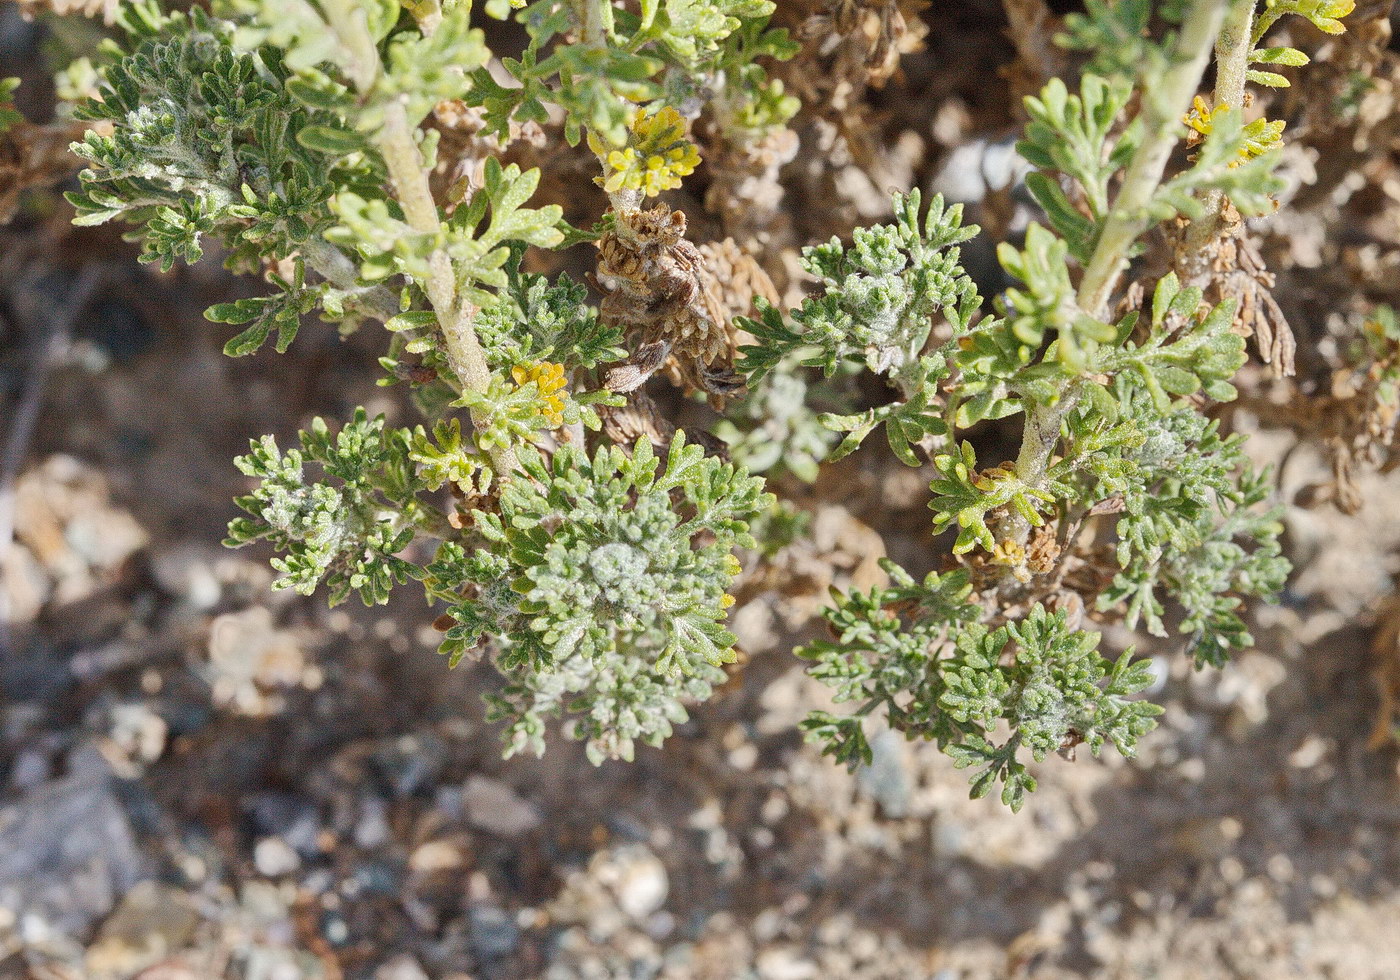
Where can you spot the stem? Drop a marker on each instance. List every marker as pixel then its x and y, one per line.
pixel 1039 435
pixel 1161 116
pixel 1126 221
pixel 1231 69
pixel 336 268
pixel 595 18
pixel 1232 54
pixel 351 25
pixel 410 179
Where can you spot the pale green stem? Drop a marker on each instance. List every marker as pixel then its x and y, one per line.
pixel 410 179
pixel 409 176
pixel 1163 106
pixel 350 24
pixel 595 19
pixel 336 268
pixel 1231 70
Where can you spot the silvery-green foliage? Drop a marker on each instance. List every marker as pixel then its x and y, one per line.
pixel 778 425
pixel 535 319
pixel 918 652
pixel 289 132
pixel 604 579
pixel 1113 428
pixel 296 134
pixel 682 50
pixel 1193 529
pixel 876 307
pixel 342 525
pixel 204 142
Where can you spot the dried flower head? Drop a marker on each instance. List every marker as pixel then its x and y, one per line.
pixel 658 288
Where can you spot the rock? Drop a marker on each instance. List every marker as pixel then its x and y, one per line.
pixel 63 515
pixel 410 763
pixel 638 878
pixel 152 921
pixel 1207 838
pixel 187 571
pixel 30 768
pixel 436 855
pixel 275 857
pixel 372 828
pixel 67 851
pixel 26 586
pixel 887 777
pixel 138 731
pixel 495 807
pixel 293 818
pixel 35 673
pixel 249 655
pixel 402 967
pixel 784 963
pixel 494 933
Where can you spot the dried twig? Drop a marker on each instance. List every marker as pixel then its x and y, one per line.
pixel 50 341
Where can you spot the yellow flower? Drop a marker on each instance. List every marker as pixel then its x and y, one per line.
pixel 657 156
pixel 1260 136
pixel 1201 118
pixel 549 380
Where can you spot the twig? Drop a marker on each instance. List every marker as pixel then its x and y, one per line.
pixel 409 178
pixel 50 343
pixel 1231 70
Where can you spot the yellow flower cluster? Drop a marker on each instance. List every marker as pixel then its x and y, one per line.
pixel 1260 136
pixel 657 156
pixel 549 382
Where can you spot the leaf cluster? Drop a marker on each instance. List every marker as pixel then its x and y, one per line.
pixel 204 142
pixel 596 61
pixel 918 652
pixel 876 308
pixel 603 582
pixel 343 529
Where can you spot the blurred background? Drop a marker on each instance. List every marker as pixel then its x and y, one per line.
pixel 202 778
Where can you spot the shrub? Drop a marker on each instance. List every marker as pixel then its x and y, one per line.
pixel 583 542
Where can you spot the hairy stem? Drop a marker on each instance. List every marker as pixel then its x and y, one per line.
pixel 410 179
pixel 349 22
pixel 1232 50
pixel 594 19
pixel 1164 105
pixel 335 267
pixel 409 176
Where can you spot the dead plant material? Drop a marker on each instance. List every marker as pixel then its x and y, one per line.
pixel 464 147
pixel 1386 649
pixel 657 285
pixel 33 156
pixel 1355 421
pixel 865 38
pixel 1230 267
pixel 1033 26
